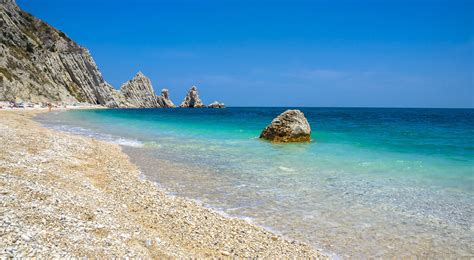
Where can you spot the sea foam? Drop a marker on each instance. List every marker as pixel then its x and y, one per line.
pixel 99 136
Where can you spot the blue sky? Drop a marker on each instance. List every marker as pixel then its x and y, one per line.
pixel 281 53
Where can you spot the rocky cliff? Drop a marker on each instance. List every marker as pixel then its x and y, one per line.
pixel 40 63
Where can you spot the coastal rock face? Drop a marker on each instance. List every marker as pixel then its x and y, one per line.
pixel 41 64
pixel 139 93
pixel 216 104
pixel 192 99
pixel 164 100
pixel 289 126
pixel 111 97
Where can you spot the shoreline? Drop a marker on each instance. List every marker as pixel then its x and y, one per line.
pixel 68 195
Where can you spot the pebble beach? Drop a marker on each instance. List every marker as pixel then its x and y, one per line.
pixel 63 195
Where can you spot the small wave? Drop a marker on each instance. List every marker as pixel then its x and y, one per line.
pixel 128 142
pixel 100 136
pixel 286 169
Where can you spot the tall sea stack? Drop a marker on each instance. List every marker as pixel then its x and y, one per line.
pixel 164 100
pixel 138 92
pixel 192 100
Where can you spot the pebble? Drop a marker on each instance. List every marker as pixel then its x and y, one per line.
pixel 148 243
pixel 25 238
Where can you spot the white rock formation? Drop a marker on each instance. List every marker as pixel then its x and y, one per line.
pixel 139 92
pixel 192 100
pixel 164 100
pixel 216 104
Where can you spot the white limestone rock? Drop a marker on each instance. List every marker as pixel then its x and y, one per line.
pixel 138 92
pixel 164 100
pixel 216 104
pixel 192 100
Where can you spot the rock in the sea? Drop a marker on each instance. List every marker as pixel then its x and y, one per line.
pixel 192 99
pixel 216 104
pixel 139 93
pixel 164 100
pixel 289 126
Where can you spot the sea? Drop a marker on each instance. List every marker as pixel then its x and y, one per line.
pixel 373 182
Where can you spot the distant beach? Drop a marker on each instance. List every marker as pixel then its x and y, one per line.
pixel 64 195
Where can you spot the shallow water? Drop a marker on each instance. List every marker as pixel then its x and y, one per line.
pixel 373 182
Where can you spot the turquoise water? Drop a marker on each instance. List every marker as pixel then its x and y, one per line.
pixel 372 183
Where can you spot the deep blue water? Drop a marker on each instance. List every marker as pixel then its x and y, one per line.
pixel 373 181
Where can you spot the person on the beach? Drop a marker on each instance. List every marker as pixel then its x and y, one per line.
pixel 49 106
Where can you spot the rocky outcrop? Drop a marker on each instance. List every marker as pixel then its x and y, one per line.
pixel 139 92
pixel 111 97
pixel 192 99
pixel 41 64
pixel 289 126
pixel 216 104
pixel 164 100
